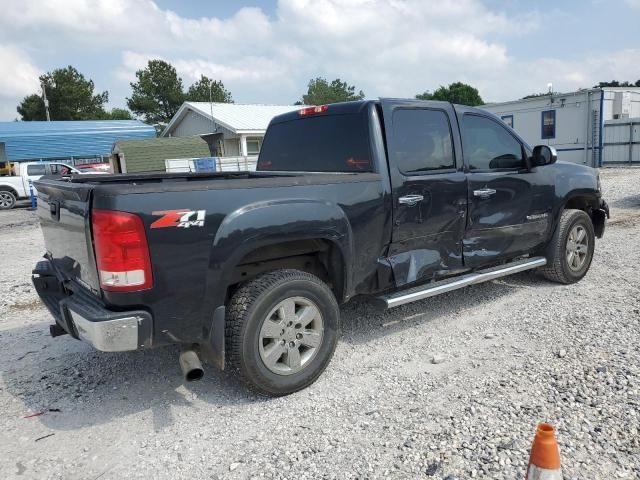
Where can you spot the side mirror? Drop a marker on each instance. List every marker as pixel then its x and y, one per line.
pixel 543 155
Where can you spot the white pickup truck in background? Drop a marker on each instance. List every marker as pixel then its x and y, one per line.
pixel 14 188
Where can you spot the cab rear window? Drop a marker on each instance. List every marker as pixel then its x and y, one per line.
pixel 325 143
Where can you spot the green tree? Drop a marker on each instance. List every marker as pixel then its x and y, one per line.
pixel 456 92
pixel 616 83
pixel 71 97
pixel 119 114
pixel 542 94
pixel 199 91
pixel 32 108
pixel 320 92
pixel 157 95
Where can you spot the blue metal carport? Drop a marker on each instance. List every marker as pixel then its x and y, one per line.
pixel 60 140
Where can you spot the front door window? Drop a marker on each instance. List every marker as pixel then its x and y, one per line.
pixel 487 145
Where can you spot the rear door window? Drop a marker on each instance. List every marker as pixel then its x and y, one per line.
pixel 325 143
pixel 422 141
pixel 34 170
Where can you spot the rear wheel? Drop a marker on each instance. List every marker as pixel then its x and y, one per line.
pixel 7 200
pixel 281 331
pixel 570 251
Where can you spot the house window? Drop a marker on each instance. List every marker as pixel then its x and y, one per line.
pixel 253 145
pixel 549 124
pixel 508 120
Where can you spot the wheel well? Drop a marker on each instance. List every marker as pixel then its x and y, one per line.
pixel 580 202
pixel 10 190
pixel 317 256
pixel 589 205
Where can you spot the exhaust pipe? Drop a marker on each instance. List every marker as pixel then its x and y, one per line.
pixel 190 365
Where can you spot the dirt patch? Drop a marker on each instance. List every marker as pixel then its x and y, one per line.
pixel 27 306
pixel 624 219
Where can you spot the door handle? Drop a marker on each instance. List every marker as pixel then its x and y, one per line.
pixel 484 192
pixel 410 200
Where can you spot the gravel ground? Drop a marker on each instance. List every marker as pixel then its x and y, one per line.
pixel 447 388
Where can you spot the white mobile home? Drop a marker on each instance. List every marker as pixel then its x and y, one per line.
pixel 591 127
pixel 231 129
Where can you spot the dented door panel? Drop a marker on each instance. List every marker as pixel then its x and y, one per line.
pixel 512 221
pixel 429 207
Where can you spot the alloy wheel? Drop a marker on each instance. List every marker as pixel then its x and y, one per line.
pixel 6 200
pixel 291 335
pixel 577 247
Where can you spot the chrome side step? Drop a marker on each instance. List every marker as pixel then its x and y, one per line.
pixel 425 291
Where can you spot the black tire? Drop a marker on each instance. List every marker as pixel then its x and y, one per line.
pixel 249 309
pixel 558 268
pixel 7 200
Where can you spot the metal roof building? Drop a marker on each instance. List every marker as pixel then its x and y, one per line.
pixel 232 129
pixel 21 141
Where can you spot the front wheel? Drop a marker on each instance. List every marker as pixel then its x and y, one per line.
pixel 281 331
pixel 7 200
pixel 570 251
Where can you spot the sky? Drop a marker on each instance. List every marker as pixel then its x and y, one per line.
pixel 266 51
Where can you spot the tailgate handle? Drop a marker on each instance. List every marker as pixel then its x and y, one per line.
pixel 54 209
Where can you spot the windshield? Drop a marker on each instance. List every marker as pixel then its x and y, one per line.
pixel 326 143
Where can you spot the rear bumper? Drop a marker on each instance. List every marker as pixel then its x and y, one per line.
pixel 117 334
pixel 83 316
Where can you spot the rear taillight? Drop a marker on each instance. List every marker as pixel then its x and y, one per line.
pixel 313 110
pixel 122 252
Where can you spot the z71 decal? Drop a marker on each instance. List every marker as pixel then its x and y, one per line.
pixel 179 218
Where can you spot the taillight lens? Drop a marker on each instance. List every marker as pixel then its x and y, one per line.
pixel 122 251
pixel 313 110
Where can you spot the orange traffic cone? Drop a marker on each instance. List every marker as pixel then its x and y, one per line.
pixel 544 462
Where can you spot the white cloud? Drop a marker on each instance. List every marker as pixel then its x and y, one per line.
pixel 124 23
pixel 518 78
pixel 633 3
pixel 131 62
pixel 248 70
pixel 418 44
pixel 414 45
pixel 20 76
pixel 385 47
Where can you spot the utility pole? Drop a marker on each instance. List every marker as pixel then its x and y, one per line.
pixel 46 102
pixel 213 148
pixel 213 125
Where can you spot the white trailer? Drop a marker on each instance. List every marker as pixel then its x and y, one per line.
pixel 574 123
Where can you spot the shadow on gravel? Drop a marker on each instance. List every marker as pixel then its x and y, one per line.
pixel 631 201
pixel 92 388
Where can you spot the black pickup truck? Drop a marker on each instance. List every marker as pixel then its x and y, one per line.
pixel 399 200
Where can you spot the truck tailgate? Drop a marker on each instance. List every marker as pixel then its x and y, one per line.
pixel 64 212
